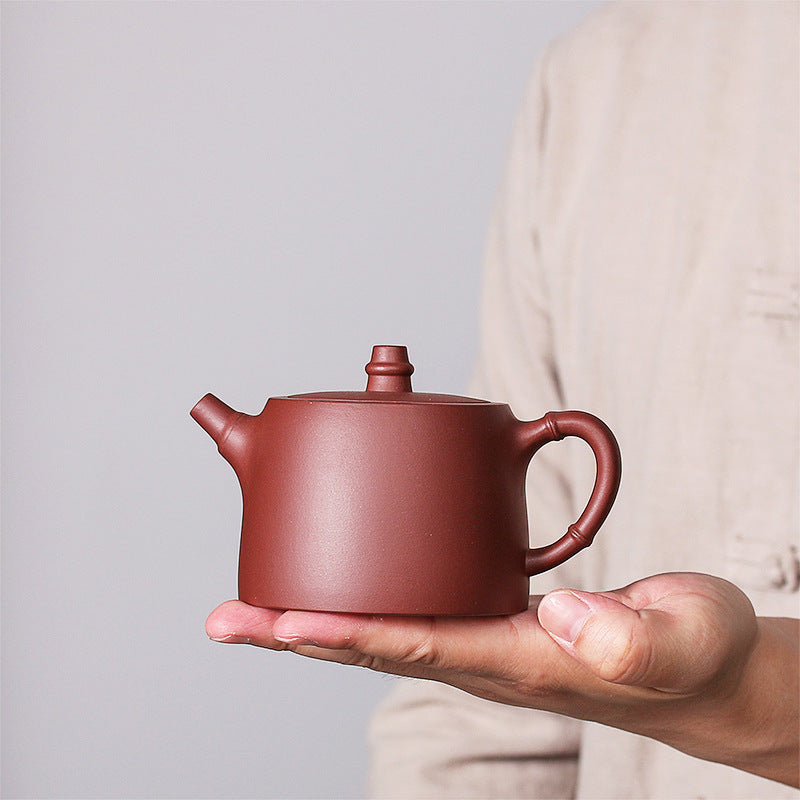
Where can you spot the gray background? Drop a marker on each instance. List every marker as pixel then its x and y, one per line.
pixel 240 198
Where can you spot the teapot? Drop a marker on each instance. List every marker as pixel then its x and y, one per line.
pixel 390 501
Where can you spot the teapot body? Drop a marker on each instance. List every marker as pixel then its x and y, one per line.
pixel 384 508
pixel 390 501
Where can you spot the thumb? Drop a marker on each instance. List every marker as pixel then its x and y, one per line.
pixel 616 642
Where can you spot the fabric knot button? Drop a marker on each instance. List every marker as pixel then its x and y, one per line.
pixel 785 574
pixel 782 570
pixel 773 569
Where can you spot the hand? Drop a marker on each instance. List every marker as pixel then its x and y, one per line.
pixel 680 658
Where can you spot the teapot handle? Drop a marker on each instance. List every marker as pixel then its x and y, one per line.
pixel 554 426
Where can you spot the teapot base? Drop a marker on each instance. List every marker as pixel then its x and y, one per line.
pixel 374 606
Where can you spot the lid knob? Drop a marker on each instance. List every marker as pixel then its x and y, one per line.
pixel 389 370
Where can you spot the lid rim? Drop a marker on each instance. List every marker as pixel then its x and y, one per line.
pixel 388 398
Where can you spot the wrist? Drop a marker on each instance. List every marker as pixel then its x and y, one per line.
pixel 769 710
pixel 749 716
pixel 753 719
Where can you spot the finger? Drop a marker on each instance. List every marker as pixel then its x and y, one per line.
pixel 674 648
pixel 425 646
pixel 235 622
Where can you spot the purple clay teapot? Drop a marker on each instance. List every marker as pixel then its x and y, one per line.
pixel 390 501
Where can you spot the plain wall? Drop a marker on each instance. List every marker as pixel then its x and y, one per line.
pixel 237 198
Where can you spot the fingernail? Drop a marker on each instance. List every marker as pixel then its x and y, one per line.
pixel 564 615
pixel 230 638
pixel 291 638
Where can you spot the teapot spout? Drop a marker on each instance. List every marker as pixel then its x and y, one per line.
pixel 214 417
pixel 225 426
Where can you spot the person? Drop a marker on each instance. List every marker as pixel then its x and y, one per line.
pixel 642 264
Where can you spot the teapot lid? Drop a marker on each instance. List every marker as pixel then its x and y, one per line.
pixel 389 381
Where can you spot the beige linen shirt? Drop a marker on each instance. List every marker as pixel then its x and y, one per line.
pixel 642 264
